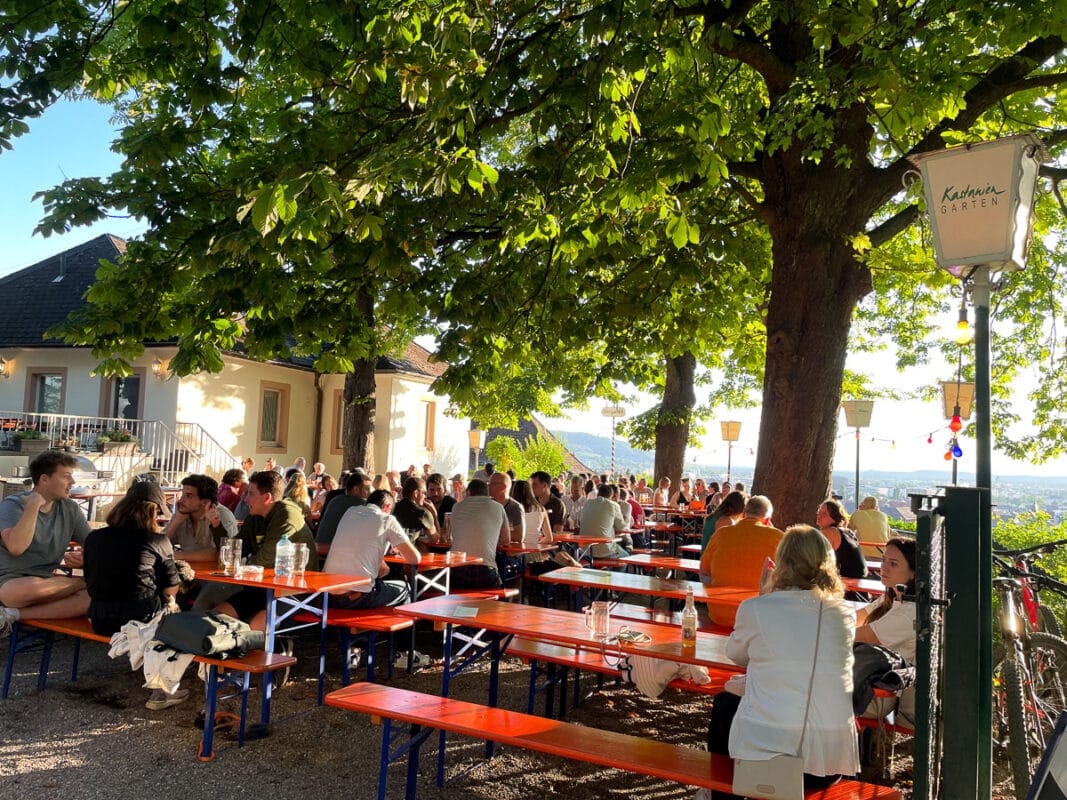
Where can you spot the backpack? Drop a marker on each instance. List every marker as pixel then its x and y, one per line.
pixel 209 634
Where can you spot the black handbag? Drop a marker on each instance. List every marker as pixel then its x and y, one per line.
pixel 209 634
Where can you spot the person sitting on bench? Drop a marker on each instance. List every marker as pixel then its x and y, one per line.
pixel 35 529
pixel 364 535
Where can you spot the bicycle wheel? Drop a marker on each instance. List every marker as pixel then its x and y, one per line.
pixel 1047 621
pixel 1047 664
pixel 1018 741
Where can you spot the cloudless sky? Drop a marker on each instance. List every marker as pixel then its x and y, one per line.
pixel 73 140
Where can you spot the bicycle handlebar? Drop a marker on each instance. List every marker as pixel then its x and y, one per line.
pixel 1022 551
pixel 1043 581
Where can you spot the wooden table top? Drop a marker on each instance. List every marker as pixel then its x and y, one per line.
pixel 868 585
pixel 646 584
pixel 576 538
pixel 568 627
pixel 303 584
pixel 653 560
pixel 517 549
pixel 430 561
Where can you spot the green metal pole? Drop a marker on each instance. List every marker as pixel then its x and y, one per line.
pixel 984 481
pixel 857 505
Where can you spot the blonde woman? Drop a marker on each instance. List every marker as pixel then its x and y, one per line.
pixel 775 638
pixel 297 491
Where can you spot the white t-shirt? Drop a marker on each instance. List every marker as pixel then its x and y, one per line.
pixel 532 533
pixel 896 630
pixel 364 534
pixel 476 524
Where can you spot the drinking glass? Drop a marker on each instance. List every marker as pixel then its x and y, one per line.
pixel 301 554
pixel 598 619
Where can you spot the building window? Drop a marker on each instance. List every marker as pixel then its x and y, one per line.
pixel 123 398
pixel 337 434
pixel 46 390
pixel 429 418
pixel 273 415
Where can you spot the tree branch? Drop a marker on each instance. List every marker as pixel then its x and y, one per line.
pixel 1002 81
pixel 894 225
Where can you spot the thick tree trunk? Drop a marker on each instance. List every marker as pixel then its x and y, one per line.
pixel 814 288
pixel 359 400
pixel 359 415
pixel 675 414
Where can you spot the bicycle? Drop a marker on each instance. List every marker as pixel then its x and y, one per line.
pixel 1030 673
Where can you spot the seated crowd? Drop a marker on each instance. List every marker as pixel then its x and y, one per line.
pixel 797 622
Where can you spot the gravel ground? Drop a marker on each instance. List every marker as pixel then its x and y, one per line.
pixel 94 738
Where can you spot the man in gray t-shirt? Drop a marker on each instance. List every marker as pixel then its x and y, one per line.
pixel 35 528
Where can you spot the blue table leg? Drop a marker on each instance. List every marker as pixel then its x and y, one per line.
pixel 268 678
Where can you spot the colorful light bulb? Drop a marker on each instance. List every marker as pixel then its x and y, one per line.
pixel 956 424
pixel 957 451
pixel 948 456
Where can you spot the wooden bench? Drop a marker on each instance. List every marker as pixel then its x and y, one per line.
pixel 425 713
pixel 562 659
pixel 371 621
pixel 220 672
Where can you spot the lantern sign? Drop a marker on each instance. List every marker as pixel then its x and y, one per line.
pixel 858 413
pixel 979 199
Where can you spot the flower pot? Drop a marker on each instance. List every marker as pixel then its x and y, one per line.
pixel 34 445
pixel 118 448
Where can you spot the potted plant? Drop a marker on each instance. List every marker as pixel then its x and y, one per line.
pixel 32 441
pixel 117 443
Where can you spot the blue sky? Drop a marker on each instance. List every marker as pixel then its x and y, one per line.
pixel 73 140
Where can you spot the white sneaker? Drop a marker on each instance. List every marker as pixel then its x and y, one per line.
pixel 355 657
pixel 418 660
pixel 160 699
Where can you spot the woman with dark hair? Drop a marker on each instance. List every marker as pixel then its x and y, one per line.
pixel 232 488
pixel 129 565
pixel 833 522
pixel 726 513
pixel 795 642
pixel 130 571
pixel 890 621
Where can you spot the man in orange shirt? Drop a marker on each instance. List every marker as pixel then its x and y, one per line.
pixel 735 555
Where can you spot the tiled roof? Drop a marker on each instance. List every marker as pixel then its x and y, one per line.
pixel 43 294
pixel 416 360
pixel 44 302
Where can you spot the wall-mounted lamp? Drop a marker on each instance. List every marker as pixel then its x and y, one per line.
pixel 159 370
pixel 5 369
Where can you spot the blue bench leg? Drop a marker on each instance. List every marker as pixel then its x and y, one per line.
pixel 383 767
pixel 372 648
pixel 346 648
pixel 244 708
pixel 12 648
pixel 207 752
pixel 46 660
pixel 74 665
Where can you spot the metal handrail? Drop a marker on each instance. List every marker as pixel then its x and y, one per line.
pixel 161 450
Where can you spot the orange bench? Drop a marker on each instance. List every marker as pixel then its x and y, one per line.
pixel 590 660
pixel 256 662
pixel 371 621
pixel 426 713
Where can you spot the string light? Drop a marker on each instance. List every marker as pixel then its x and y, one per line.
pixel 956 424
pixel 957 451
pixel 929 438
pixel 964 333
pixel 948 455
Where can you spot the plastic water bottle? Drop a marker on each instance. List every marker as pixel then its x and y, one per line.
pixel 283 557
pixel 689 621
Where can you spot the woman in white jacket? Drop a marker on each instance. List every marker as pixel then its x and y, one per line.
pixel 774 638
